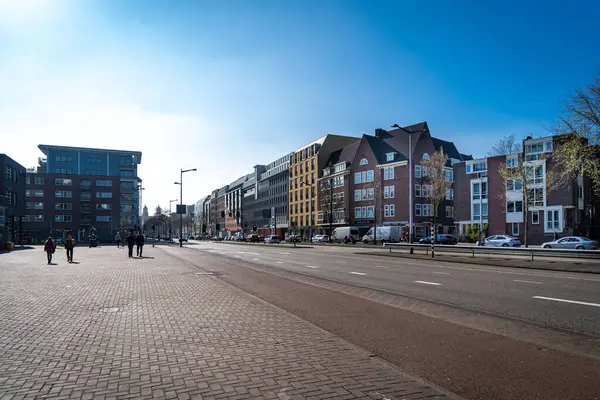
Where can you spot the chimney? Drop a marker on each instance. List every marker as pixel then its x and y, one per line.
pixel 380 132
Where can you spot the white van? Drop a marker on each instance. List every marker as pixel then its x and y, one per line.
pixel 345 234
pixel 383 234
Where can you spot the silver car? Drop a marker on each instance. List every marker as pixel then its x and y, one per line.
pixel 572 242
pixel 502 241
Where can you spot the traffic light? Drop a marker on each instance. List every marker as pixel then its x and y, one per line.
pixel 254 228
pixel 222 215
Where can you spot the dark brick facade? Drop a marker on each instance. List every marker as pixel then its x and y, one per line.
pixel 12 200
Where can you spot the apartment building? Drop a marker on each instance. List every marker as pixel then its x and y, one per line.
pixel 306 165
pixel 484 198
pixel 74 189
pixel 271 206
pixel 12 200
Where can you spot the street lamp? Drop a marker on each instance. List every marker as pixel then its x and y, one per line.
pixel 180 183
pixel 141 189
pixel 410 185
pixel 302 183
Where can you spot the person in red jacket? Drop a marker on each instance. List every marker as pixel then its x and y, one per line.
pixel 49 248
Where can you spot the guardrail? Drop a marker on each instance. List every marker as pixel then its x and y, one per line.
pixel 524 251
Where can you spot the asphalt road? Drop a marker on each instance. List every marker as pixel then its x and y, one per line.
pixel 563 300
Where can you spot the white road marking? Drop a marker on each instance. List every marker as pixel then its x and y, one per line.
pixel 244 252
pixel 287 254
pixel 381 266
pixel 341 262
pixel 441 273
pixel 279 262
pixel 256 259
pixel 311 266
pixel 567 301
pixel 357 273
pixel 429 283
pixel 533 282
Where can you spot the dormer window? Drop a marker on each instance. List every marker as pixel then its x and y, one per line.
pixel 364 161
pixel 426 156
pixel 389 156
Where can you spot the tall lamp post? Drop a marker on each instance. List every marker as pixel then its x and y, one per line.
pixel 310 200
pixel 180 183
pixel 140 206
pixel 410 185
pixel 171 202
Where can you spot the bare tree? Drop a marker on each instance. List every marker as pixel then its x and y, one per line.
pixel 330 200
pixel 579 127
pixel 506 145
pixel 532 178
pixel 438 186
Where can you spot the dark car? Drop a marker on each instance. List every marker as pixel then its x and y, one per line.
pixel 440 239
pixel 252 238
pixel 293 238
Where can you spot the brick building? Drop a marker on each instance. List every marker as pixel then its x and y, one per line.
pixel 12 200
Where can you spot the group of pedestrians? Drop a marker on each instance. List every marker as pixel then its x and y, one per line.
pixel 130 240
pixel 50 248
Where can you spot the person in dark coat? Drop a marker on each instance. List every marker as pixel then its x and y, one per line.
pixel 139 241
pixel 69 244
pixel 49 248
pixel 130 242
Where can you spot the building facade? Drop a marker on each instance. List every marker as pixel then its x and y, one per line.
pixel 74 189
pixel 12 201
pixel 271 205
pixel 485 198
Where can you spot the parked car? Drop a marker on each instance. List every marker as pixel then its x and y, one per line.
pixel 191 237
pixel 183 239
pixel 320 239
pixel 345 234
pixel 383 234
pixel 440 239
pixel 272 239
pixel 502 241
pixel 253 238
pixel 293 238
pixel 572 242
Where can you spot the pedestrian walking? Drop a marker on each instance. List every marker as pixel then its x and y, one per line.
pixel 69 245
pixel 130 242
pixel 139 241
pixel 49 248
pixel 118 240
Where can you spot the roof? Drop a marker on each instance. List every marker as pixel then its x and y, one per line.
pixel 45 148
pixel 399 137
pixel 380 148
pixel 449 148
pixel 320 141
pixel 344 154
pixel 238 182
pixel 466 157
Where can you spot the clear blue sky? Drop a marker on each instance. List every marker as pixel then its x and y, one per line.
pixel 224 85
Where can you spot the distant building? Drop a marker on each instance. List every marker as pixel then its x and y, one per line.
pixel 12 200
pixel 74 189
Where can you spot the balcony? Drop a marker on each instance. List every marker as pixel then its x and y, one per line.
pixel 85 222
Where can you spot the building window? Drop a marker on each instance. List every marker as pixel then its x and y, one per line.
pixel 535 217
pixel 553 220
pixel 126 208
pixel 38 218
pixel 476 189
pixel 63 182
pixel 370 212
pixel 357 195
pixel 388 173
pixel 535 197
pixel 104 206
pixel 38 205
pixel 63 206
pixel 514 206
pixel 417 171
pixel 392 210
pixel 370 175
pixel 357 213
pixel 515 228
pixel 549 146
pixel 27 180
pixel 364 161
pixel 65 194
pixel 370 193
pixel 512 162
pixel 449 212
pixel 103 218
pixel 449 194
pixel 580 192
pixel 388 192
pixel 389 157
pixel 417 190
pixel 476 211
pixel 34 193
pixel 85 196
pixel 63 218
pixel 426 190
pixel 85 184
pixel 8 173
pixel 39 180
pixel 449 176
pixel 357 179
pixel 425 156
pixel 417 210
pixel 64 159
pixel 386 210
pixel 535 175
pixel 104 183
pixel 514 184
pixel 104 195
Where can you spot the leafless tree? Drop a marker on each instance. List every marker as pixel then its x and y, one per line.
pixel 439 185
pixel 329 200
pixel 579 127
pixel 506 145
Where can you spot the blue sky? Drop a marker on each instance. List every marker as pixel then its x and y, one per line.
pixel 224 85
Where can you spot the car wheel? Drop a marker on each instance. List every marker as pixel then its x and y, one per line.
pixel 547 246
pixel 579 248
pixel 505 245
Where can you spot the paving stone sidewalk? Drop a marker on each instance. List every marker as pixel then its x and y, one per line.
pixel 177 333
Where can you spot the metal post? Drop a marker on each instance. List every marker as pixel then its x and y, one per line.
pixel 180 208
pixel 480 210
pixel 310 213
pixel 410 190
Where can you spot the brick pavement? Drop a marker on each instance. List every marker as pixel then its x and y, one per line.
pixel 177 334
